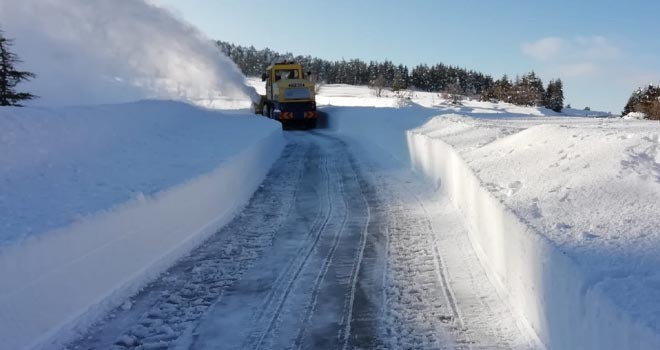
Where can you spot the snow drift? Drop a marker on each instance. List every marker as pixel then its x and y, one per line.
pixel 106 51
pixel 102 199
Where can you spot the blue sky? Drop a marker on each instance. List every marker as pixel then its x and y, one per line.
pixel 602 50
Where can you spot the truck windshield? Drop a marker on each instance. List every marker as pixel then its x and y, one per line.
pixel 286 74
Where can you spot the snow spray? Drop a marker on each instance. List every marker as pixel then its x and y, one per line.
pixel 110 51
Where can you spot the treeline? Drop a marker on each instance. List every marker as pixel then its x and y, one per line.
pixel 645 101
pixel 439 77
pixel 527 90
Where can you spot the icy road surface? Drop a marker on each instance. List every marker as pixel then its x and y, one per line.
pixel 337 250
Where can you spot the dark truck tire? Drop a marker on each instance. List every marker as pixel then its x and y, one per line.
pixel 269 111
pixel 310 124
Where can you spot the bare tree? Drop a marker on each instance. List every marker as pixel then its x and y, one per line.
pixel 314 78
pixel 455 93
pixel 378 85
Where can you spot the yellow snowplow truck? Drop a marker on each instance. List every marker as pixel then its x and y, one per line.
pixel 289 96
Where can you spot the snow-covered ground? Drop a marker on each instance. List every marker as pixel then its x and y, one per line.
pixel 97 200
pixel 562 210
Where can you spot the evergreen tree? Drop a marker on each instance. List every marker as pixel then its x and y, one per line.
pixel 554 96
pixel 10 77
pixel 528 90
pixel 533 89
pixel 439 77
pixel 633 101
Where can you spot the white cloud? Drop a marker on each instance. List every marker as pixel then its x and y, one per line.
pixel 576 57
pixel 591 49
pixel 596 48
pixel 577 69
pixel 545 49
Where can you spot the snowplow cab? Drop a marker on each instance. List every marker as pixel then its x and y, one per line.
pixel 289 96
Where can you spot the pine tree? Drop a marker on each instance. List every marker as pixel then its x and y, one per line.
pixel 554 96
pixel 534 89
pixel 633 101
pixel 528 90
pixel 10 77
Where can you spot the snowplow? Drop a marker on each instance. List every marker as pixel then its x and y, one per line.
pixel 289 97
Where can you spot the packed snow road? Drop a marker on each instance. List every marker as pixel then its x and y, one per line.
pixel 337 249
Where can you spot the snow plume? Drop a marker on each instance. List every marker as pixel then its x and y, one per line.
pixel 107 51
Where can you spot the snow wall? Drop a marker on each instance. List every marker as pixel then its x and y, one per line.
pixel 542 284
pixel 54 286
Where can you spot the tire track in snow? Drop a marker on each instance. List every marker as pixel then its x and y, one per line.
pixel 284 277
pixel 441 268
pixel 324 270
pixel 365 277
pixel 483 316
pixel 301 264
pixel 356 268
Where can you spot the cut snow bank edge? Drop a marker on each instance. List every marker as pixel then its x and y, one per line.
pixel 542 284
pixel 52 287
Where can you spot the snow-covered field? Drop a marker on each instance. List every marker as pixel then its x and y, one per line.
pixel 97 200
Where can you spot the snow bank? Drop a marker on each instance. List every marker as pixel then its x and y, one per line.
pixel 564 213
pixel 384 127
pixel 101 199
pixel 106 51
